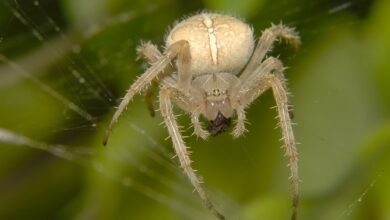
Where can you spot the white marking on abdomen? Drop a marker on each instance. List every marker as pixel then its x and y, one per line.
pixel 212 38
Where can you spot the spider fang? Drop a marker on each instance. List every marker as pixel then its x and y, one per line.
pixel 219 125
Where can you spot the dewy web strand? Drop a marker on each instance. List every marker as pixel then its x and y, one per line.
pixel 80 155
pixel 73 65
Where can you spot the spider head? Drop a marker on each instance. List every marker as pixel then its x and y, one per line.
pixel 217 107
pixel 218 111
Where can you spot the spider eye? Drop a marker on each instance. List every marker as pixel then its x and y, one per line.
pixel 216 92
pixel 219 125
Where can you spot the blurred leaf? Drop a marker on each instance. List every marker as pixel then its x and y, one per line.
pixel 246 8
pixel 336 109
pixel 378 48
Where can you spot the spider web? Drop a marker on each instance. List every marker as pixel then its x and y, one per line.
pixel 80 72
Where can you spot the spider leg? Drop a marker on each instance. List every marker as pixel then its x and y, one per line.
pixel 247 90
pixel 281 98
pixel 148 51
pixel 181 148
pixel 198 129
pixel 265 43
pixel 149 95
pixel 280 93
pixel 183 64
pixel 192 104
pixel 270 75
pixel 173 51
pixel 250 88
pixel 239 129
pixel 151 53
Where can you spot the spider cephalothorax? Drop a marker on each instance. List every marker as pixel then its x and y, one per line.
pixel 217 73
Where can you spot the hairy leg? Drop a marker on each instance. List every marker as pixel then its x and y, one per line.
pixel 149 95
pixel 270 75
pixel 192 104
pixel 181 148
pixel 183 61
pixel 278 86
pixel 239 129
pixel 143 81
pixel 150 52
pixel 246 91
pixel 198 129
pixel 183 64
pixel 249 89
pixel 265 43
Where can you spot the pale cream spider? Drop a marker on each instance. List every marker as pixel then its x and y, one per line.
pixel 216 73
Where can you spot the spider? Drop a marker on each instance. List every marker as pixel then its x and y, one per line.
pixel 211 67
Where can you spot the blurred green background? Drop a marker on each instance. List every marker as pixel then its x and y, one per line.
pixel 65 64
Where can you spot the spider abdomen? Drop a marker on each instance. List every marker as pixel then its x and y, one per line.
pixel 218 43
